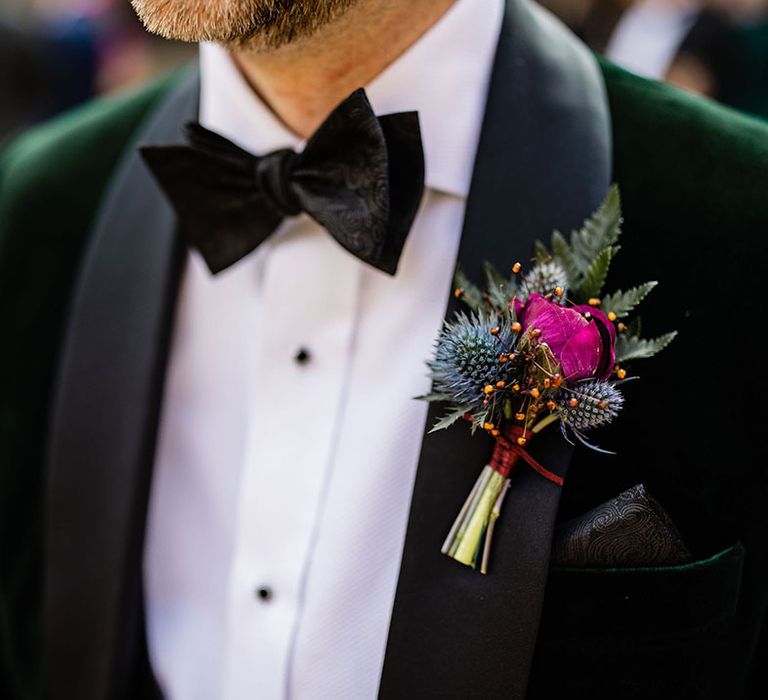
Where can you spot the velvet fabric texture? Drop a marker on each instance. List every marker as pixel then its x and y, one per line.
pixel 660 631
pixel 693 178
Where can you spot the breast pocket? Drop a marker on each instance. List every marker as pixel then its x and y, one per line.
pixel 643 632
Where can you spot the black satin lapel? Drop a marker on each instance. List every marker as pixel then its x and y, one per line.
pixel 543 162
pixel 104 425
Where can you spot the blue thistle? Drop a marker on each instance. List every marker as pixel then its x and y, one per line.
pixel 599 403
pixel 467 359
pixel 543 278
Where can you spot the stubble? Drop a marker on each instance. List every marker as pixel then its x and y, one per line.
pixel 254 25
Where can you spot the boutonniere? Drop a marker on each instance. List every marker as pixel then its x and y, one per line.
pixel 542 347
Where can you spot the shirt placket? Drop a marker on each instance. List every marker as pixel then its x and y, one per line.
pixel 302 354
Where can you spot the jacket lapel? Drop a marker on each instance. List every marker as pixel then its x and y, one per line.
pixel 104 424
pixel 543 162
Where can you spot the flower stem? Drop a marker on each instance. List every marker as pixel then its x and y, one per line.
pixel 465 517
pixel 469 548
pixel 495 513
pixel 460 519
pixel 544 422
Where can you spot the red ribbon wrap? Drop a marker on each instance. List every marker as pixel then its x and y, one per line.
pixel 508 452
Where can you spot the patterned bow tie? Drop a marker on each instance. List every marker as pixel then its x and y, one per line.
pixel 360 176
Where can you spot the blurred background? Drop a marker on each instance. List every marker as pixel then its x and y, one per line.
pixel 55 54
pixel 716 48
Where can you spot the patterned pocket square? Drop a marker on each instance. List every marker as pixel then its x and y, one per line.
pixel 631 530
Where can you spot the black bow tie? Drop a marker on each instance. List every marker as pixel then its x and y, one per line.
pixel 360 176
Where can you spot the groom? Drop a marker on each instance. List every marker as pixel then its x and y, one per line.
pixel 219 485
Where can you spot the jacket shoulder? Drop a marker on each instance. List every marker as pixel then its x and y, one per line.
pixel 52 180
pixel 667 140
pixel 651 106
pixel 60 168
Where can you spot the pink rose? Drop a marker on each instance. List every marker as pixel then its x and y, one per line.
pixel 581 337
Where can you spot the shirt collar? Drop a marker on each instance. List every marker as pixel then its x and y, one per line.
pixel 444 76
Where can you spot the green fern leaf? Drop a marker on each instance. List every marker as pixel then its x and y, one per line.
pixel 634 348
pixel 449 420
pixel 500 289
pixel 595 275
pixel 541 253
pixel 433 397
pixel 478 419
pixel 563 256
pixel 471 294
pixel 600 231
pixel 623 303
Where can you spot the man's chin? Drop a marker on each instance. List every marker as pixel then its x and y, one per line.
pixel 253 25
pixel 222 21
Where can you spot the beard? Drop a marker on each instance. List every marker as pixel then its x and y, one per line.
pixel 260 25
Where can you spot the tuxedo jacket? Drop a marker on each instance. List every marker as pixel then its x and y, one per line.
pixel 89 266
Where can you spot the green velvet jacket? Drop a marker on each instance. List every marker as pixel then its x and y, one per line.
pixel 694 179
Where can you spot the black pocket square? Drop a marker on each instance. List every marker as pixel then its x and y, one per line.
pixel 630 530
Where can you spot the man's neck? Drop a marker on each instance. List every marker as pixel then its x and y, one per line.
pixel 303 82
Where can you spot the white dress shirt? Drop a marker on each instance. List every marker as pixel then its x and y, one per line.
pixel 281 489
pixel 649 35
